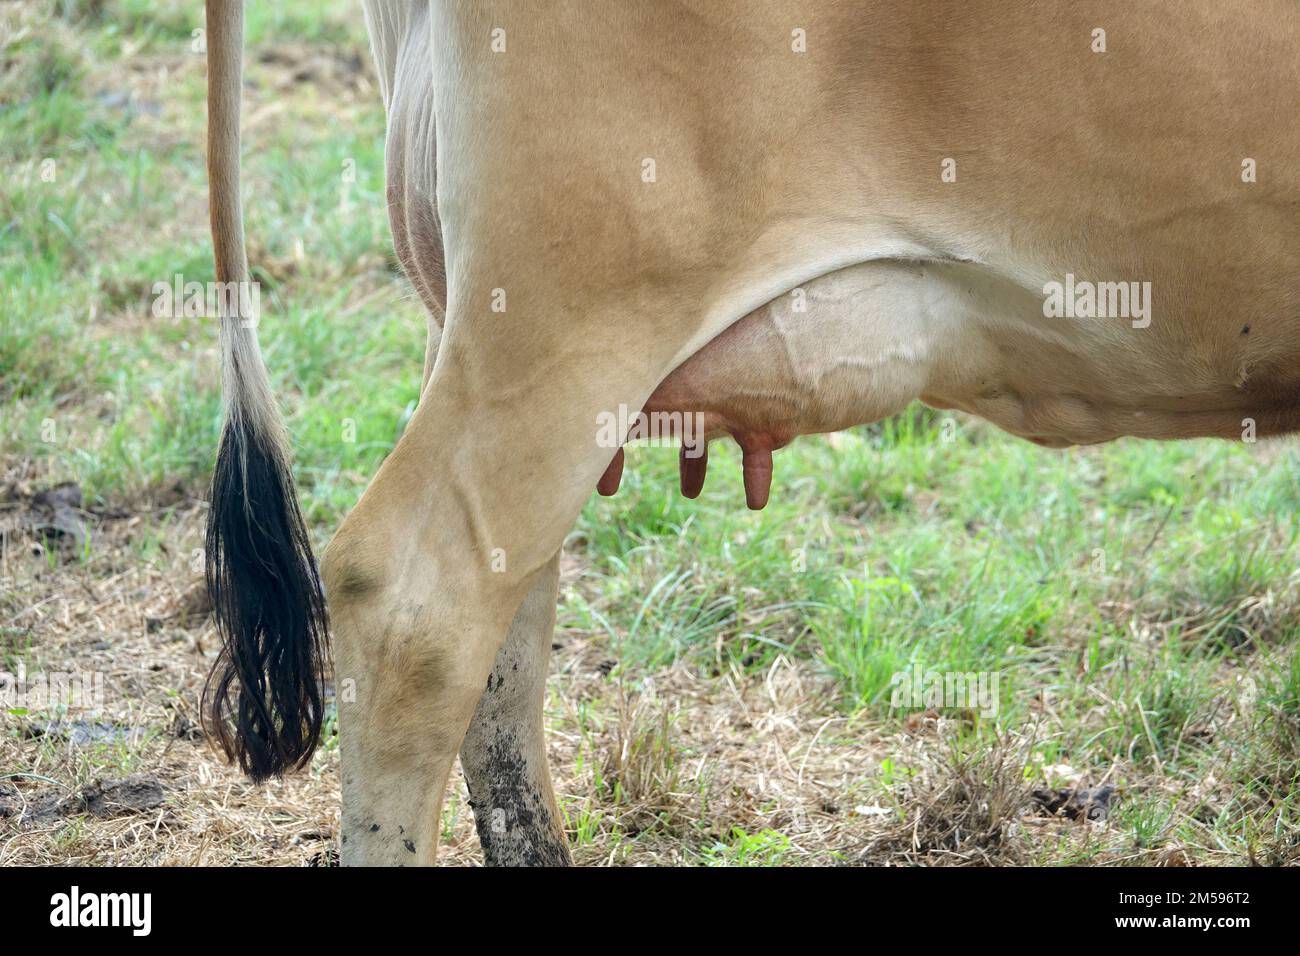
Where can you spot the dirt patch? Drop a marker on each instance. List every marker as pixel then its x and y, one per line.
pixel 1086 803
pixel 82 733
pixel 53 517
pixel 331 70
pixel 103 799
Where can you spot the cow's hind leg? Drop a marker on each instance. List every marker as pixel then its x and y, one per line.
pixel 574 287
pixel 427 572
pixel 504 752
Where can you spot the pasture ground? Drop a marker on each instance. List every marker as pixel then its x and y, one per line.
pixel 721 687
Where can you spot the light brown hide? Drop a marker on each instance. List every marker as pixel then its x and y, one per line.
pixel 775 171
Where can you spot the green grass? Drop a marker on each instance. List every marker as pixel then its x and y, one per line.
pixel 1142 595
pixel 94 387
pixel 765 848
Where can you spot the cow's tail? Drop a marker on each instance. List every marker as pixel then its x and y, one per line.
pixel 262 700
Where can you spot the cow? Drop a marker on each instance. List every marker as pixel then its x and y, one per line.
pixel 1076 221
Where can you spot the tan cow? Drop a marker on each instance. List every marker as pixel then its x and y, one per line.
pixel 1076 220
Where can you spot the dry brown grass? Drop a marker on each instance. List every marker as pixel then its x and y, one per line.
pixel 650 769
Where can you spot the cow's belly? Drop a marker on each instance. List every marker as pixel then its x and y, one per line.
pixel 859 344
